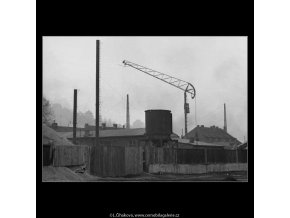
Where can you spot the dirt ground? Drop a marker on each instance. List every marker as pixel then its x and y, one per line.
pixel 64 174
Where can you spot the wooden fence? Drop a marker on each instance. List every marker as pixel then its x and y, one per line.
pixel 133 160
pixel 197 168
pixel 68 155
pixel 111 161
pixel 157 155
pixel 104 160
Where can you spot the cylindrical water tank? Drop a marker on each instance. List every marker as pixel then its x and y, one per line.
pixel 158 123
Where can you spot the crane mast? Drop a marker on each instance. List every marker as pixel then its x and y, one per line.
pixel 178 83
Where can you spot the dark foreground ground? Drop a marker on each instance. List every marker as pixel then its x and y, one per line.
pixel 64 174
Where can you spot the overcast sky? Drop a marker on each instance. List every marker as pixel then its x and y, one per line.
pixel 216 66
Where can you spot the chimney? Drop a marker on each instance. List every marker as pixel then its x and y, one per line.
pixel 75 117
pixel 225 118
pixel 54 125
pixel 127 114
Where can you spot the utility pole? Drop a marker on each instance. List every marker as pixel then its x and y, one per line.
pixel 128 114
pixel 97 91
pixel 75 116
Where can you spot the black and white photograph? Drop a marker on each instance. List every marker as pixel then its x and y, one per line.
pixel 145 109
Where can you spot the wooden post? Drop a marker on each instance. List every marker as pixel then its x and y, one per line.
pixel 75 116
pixel 94 154
pixel 205 155
pixel 97 91
pixel 176 151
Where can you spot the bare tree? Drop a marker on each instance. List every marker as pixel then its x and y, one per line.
pixel 138 124
pixel 47 114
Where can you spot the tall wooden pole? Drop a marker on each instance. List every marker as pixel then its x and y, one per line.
pixel 225 119
pixel 75 117
pixel 127 114
pixel 97 90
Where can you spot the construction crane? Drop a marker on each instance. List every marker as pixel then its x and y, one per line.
pixel 178 83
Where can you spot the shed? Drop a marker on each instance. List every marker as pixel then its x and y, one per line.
pixel 59 151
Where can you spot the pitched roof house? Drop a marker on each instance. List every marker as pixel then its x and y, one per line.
pixel 211 134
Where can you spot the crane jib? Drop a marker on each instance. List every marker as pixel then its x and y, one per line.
pixel 178 83
pixel 170 80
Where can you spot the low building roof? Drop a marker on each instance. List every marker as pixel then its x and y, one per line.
pixel 135 132
pixel 243 146
pixel 121 132
pixel 209 132
pixel 50 136
pixel 107 133
pixel 65 128
pixel 198 143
